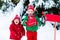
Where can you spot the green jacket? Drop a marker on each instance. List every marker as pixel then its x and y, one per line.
pixel 33 28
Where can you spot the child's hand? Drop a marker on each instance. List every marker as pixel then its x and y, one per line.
pixel 22 34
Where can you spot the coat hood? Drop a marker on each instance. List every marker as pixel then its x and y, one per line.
pixel 16 17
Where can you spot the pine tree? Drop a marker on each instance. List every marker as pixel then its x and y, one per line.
pixel 45 0
pixel 56 1
pixel 37 1
pixel 1 3
pixel 15 1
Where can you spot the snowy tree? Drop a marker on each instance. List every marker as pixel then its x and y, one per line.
pixel 1 2
pixel 15 1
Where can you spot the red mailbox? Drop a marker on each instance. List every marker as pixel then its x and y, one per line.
pixel 52 17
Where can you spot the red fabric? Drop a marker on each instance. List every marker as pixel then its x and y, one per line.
pixel 43 13
pixel 52 17
pixel 31 35
pixel 16 31
pixel 16 17
pixel 31 7
pixel 31 21
pixel 15 39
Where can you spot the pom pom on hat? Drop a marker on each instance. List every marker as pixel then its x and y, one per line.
pixel 17 17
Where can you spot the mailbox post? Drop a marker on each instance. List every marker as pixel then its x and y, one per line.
pixel 53 18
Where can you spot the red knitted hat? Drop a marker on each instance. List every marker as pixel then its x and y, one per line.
pixel 17 17
pixel 30 7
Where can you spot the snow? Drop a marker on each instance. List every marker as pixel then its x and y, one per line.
pixel 4 27
pixel 58 35
pixel 19 8
pixel 40 3
pixel 49 4
pixel 31 1
pixel 44 32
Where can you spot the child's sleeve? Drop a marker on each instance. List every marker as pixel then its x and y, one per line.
pixel 24 20
pixel 12 30
pixel 38 20
pixel 23 31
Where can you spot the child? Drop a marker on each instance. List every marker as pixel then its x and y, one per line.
pixel 16 29
pixel 31 21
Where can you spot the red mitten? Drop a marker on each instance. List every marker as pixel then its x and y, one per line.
pixel 36 23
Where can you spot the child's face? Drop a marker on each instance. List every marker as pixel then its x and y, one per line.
pixel 30 12
pixel 16 21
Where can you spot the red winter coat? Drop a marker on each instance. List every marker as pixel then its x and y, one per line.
pixel 16 31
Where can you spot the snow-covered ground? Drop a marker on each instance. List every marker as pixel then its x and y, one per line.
pixel 44 33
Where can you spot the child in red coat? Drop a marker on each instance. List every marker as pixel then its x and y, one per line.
pixel 16 29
